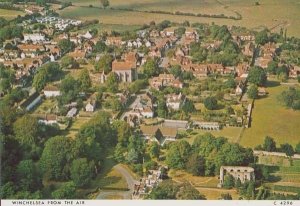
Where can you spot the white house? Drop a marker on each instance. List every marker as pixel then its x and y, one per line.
pixel 37 37
pixel 87 35
pixel 90 106
pixel 174 101
pixel 51 91
pixel 72 112
pixel 48 119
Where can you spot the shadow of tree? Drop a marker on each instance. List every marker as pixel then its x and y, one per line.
pixel 273 84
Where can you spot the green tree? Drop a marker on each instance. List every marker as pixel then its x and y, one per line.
pixel 105 3
pixel 269 144
pixel 179 31
pixel 195 165
pixel 188 192
pixel 272 67
pixel 26 130
pixel 28 175
pixel 297 148
pixel 176 70
pixel 119 153
pixel 228 182
pixel 85 80
pixel 66 191
pixel 69 89
pixel 211 103
pixel 230 83
pixel 124 131
pixel 82 171
pixel 257 76
pixel 252 92
pixel 162 109
pixel 100 47
pixel 137 85
pixel 7 190
pixel 226 196
pixel 112 82
pixel 56 158
pixel 104 64
pixel 261 37
pixel 178 154
pixel 287 149
pixel 47 73
pixel 69 63
pixel 151 68
pixel 154 150
pixel 165 190
pixel 66 45
pixel 40 79
pixel 188 106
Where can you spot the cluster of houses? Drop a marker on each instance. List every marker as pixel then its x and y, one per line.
pixel 59 23
pixel 147 183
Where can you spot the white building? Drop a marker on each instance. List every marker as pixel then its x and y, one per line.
pixel 37 37
pixel 90 106
pixel 51 91
pixel 242 173
pixel 174 101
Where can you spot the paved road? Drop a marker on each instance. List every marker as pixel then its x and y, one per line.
pixel 124 194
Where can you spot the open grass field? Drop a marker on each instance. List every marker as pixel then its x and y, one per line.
pixel 231 133
pixel 10 14
pixel 269 117
pixel 272 14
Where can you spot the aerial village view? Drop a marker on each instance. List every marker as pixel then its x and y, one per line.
pixel 150 100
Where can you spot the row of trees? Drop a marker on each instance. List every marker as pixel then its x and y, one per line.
pixel 206 155
pixel 269 145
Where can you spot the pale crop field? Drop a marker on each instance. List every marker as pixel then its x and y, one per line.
pixel 271 14
pixel 10 14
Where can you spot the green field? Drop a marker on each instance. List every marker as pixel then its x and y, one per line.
pixel 231 133
pixel 272 14
pixel 10 14
pixel 285 174
pixel 269 117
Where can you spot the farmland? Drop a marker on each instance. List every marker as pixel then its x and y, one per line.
pixel 269 118
pixel 9 14
pixel 286 14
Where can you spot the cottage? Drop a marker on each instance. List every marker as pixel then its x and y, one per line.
pixel 238 172
pixel 165 80
pixel 77 54
pixel 174 101
pixel 116 41
pixel 72 112
pixel 90 106
pixel 36 37
pixel 48 119
pixel 158 133
pixel 51 91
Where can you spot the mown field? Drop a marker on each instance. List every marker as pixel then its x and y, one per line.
pixel 272 14
pixel 271 118
pixel 10 14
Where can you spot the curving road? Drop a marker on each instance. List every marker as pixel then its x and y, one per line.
pixel 124 194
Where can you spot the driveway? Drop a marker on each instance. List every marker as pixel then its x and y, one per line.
pixel 124 194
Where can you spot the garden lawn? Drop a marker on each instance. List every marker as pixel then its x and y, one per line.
pixel 271 118
pixel 231 133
